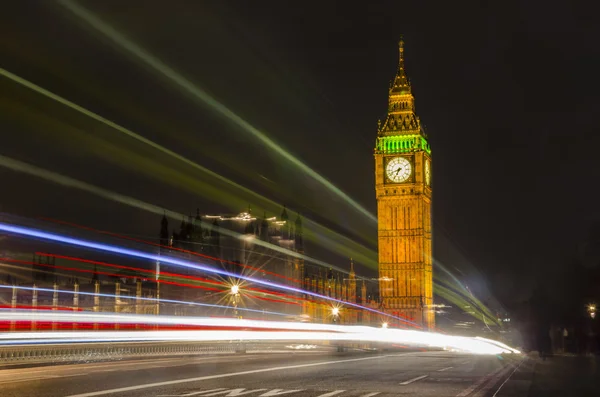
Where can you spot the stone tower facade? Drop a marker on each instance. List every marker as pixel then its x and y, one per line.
pixel 403 189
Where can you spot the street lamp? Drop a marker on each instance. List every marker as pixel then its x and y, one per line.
pixel 235 295
pixel 335 312
pixel 592 310
pixel 384 325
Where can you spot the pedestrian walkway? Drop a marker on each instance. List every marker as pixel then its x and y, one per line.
pixel 557 376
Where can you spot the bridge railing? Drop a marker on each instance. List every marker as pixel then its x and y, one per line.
pixel 90 352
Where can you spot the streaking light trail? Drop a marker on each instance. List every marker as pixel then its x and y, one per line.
pixel 177 262
pixel 205 99
pixel 166 277
pixel 20 166
pixel 156 300
pixel 359 252
pixel 235 329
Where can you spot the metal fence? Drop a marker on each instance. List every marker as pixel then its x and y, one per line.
pixel 89 352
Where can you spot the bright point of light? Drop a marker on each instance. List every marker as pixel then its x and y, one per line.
pixel 24 231
pixel 235 289
pixel 384 325
pixel 335 311
pixel 142 298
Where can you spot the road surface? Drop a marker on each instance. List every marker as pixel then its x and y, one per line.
pixel 323 374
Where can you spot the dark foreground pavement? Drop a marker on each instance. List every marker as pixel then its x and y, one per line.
pixel 271 374
pixel 558 376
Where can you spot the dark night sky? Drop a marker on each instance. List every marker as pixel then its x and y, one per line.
pixel 507 90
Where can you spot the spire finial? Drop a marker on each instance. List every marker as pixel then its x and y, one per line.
pixel 401 54
pixel 351 265
pixel 400 84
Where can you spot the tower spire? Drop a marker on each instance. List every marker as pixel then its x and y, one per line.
pixel 401 118
pixel 401 85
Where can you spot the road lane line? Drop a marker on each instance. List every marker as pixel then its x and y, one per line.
pixel 509 376
pixel 444 369
pixel 372 394
pixel 414 379
pixel 235 392
pixel 475 385
pixel 208 377
pixel 194 393
pixel 333 393
pixel 278 392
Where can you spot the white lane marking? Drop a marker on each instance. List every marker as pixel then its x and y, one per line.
pixel 195 393
pixel 278 392
pixel 509 376
pixel 466 362
pixel 372 394
pixel 333 393
pixel 414 379
pixel 234 392
pixel 475 385
pixel 444 369
pixel 255 371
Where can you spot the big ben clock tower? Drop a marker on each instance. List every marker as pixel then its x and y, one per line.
pixel 403 189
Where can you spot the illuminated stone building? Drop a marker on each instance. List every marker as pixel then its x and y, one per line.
pixel 403 191
pixel 267 248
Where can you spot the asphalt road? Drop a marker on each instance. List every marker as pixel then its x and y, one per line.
pixel 321 374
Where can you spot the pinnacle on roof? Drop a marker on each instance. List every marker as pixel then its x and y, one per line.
pixel 401 85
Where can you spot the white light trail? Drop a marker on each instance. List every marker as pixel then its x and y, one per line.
pixel 226 330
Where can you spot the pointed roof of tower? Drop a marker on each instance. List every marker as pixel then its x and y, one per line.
pixel 401 85
pixel 401 118
pixel 351 266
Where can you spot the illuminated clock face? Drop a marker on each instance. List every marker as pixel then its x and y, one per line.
pixel 427 173
pixel 398 169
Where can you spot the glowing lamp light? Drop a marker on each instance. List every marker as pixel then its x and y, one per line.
pixel 235 289
pixel 335 311
pixel 384 325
